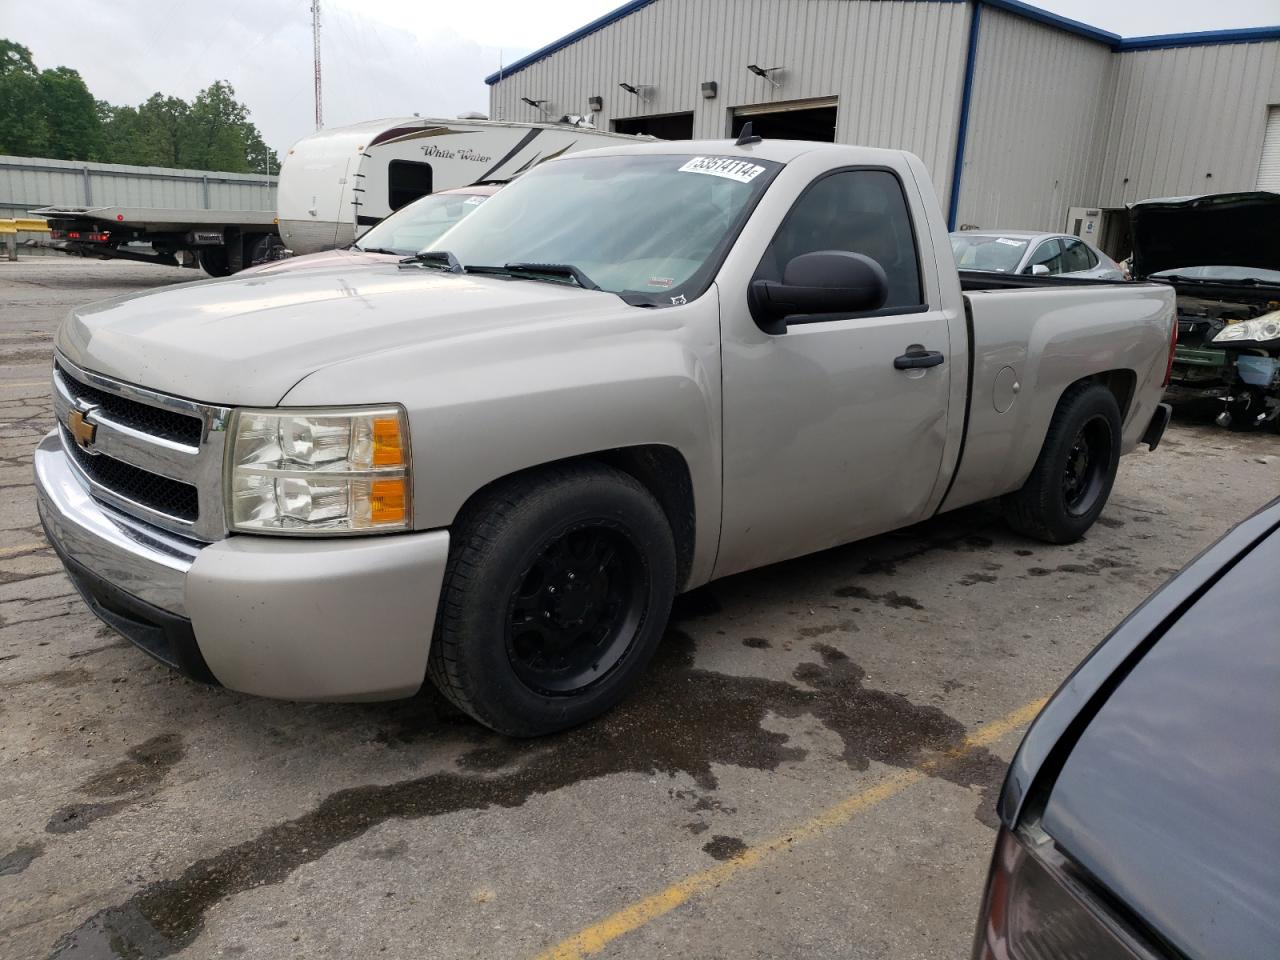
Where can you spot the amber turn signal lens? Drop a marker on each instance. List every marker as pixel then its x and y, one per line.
pixel 387 501
pixel 388 451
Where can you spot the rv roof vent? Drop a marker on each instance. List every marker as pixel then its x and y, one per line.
pixel 473 115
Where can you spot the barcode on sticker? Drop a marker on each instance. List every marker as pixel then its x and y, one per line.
pixel 742 171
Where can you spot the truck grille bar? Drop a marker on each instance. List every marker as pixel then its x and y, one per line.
pixel 151 455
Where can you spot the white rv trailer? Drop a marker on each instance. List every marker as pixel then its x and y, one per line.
pixel 337 183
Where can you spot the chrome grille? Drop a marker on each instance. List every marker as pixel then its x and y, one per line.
pixel 152 455
pixel 165 424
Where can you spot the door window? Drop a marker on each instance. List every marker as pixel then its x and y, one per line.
pixel 1077 256
pixel 1049 254
pixel 861 211
pixel 407 180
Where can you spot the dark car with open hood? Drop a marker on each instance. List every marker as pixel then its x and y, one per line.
pixel 1222 255
pixel 1140 818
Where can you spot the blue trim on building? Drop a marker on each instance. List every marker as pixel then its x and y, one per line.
pixel 1203 38
pixel 1016 7
pixel 613 16
pixel 962 130
pixel 1027 11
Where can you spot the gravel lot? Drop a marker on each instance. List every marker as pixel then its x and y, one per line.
pixel 793 781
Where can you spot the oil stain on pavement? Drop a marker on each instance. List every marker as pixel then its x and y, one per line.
pixel 682 720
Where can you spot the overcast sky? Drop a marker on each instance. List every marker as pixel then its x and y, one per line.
pixel 389 57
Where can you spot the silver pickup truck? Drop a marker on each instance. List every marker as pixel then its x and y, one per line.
pixel 629 373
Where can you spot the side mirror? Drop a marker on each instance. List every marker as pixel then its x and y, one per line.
pixel 813 284
pixel 1039 270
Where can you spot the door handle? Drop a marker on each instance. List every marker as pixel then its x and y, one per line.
pixel 915 359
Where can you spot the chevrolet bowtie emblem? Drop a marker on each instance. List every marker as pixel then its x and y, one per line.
pixel 81 430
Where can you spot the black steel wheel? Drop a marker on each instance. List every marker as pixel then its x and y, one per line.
pixel 1085 475
pixel 577 609
pixel 556 594
pixel 1071 480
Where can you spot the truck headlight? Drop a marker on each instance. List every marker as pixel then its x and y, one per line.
pixel 324 471
pixel 1266 327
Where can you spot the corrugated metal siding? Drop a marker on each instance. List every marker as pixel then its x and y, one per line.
pixel 1269 166
pixel 1182 113
pixel 895 67
pixel 1037 124
pixel 30 182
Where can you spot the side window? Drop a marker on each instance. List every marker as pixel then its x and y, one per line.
pixel 1077 257
pixel 407 180
pixel 1049 254
pixel 861 211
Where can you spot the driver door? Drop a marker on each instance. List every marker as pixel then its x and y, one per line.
pixel 826 442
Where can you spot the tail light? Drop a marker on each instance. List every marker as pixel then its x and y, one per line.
pixel 1173 345
pixel 1032 910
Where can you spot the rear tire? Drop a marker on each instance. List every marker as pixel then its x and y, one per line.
pixel 213 261
pixel 557 592
pixel 1072 479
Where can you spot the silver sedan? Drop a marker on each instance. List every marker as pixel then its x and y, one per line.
pixel 1032 254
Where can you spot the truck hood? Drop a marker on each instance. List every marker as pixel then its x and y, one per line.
pixel 247 340
pixel 328 260
pixel 1225 229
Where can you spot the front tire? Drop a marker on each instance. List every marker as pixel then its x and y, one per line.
pixel 1072 479
pixel 557 592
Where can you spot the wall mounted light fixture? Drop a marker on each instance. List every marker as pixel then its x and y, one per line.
pixel 709 89
pixel 765 72
pixel 595 104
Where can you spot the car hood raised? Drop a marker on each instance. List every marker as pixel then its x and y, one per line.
pixel 247 340
pixel 1224 229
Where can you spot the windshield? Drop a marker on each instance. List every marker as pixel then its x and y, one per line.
pixel 645 225
pixel 420 224
pixel 976 251
pixel 1222 273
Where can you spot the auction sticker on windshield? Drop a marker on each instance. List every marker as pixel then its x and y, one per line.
pixel 727 167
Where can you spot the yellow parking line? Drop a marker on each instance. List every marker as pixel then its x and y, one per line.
pixel 599 935
pixel 21 549
pixel 24 383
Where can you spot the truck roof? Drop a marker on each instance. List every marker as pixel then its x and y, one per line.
pixel 779 151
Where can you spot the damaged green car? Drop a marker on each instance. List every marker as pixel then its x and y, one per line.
pixel 1221 253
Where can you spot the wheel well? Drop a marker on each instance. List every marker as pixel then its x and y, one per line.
pixel 662 471
pixel 1121 383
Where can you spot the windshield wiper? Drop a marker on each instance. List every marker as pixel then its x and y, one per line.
pixel 539 271
pixel 438 259
pixel 394 253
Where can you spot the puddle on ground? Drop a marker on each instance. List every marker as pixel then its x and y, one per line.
pixel 680 720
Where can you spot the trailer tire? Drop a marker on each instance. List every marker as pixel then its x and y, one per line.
pixel 213 261
pixel 1072 479
pixel 556 594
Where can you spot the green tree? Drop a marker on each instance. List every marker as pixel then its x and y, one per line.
pixel 220 135
pixel 51 113
pixel 70 116
pixel 23 129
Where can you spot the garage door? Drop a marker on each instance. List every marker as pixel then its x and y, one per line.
pixel 1269 168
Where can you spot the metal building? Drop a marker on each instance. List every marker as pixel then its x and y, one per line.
pixel 1026 119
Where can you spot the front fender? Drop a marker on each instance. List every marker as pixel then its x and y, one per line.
pixel 486 406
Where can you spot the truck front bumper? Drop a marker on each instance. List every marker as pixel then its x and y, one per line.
pixel 336 619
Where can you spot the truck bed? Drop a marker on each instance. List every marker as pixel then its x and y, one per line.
pixel 161 219
pixel 973 280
